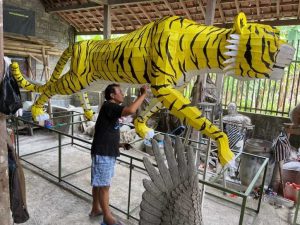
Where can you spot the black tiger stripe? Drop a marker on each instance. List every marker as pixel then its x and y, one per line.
pixel 158 50
pixel 180 42
pixel 116 52
pixel 242 70
pixel 169 56
pixel 205 53
pixel 185 106
pixel 162 95
pixel 182 71
pixel 248 57
pixel 145 71
pixel 132 69
pixel 219 55
pixel 157 87
pixel 263 47
pixel 213 30
pixel 171 23
pixel 279 67
pixel 221 136
pixel 203 126
pixel 172 104
pixel 154 66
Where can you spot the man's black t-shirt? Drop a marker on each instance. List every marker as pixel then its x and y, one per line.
pixel 107 130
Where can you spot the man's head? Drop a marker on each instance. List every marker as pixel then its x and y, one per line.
pixel 114 93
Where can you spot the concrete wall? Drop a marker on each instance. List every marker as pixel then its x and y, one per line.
pixel 268 127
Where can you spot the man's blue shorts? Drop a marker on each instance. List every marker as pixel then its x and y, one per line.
pixel 102 170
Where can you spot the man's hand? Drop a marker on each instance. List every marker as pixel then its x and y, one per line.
pixel 144 89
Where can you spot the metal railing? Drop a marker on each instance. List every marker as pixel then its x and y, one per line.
pixel 266 96
pixel 132 163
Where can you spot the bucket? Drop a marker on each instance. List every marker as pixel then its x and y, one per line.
pixel 250 164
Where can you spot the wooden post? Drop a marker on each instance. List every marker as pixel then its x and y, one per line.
pixel 4 189
pixel 198 95
pixel 47 77
pixel 107 22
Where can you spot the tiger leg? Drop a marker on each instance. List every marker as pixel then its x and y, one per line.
pixel 66 85
pixel 85 104
pixel 140 123
pixel 181 107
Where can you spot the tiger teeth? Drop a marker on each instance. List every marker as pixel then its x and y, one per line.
pixel 230 60
pixel 235 36
pixel 229 67
pixel 231 53
pixel 232 41
pixel 232 47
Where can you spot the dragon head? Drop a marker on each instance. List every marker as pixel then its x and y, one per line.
pixel 256 51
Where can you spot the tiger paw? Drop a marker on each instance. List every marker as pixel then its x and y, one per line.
pixel 142 130
pixel 38 113
pixel 89 115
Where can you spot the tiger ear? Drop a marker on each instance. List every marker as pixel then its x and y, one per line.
pixel 240 21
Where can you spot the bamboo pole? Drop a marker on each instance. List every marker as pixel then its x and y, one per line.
pixel 4 189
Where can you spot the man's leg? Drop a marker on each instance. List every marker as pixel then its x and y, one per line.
pixel 96 208
pixel 104 203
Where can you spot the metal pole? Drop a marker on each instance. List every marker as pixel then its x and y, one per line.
pixel 243 210
pixel 72 128
pixel 262 188
pixel 4 188
pixel 17 133
pixel 59 157
pixel 205 170
pixel 297 209
pixel 129 187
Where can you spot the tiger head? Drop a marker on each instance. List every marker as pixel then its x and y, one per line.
pixel 256 51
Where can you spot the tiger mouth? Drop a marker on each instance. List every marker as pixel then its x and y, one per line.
pixel 283 58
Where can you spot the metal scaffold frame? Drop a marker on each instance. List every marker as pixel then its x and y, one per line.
pixel 132 165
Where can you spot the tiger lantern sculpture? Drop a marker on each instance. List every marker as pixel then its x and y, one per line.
pixel 166 54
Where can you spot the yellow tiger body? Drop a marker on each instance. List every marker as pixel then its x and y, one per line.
pixel 166 54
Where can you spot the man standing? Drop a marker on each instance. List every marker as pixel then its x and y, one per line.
pixel 105 147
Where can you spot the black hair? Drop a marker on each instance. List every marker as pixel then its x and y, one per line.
pixel 110 89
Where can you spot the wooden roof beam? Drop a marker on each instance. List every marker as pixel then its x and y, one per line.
pixel 237 6
pixel 169 7
pixel 127 2
pixel 96 18
pixel 220 10
pixel 126 17
pixel 298 15
pixel 156 10
pixel 89 5
pixel 99 2
pixel 70 21
pixel 202 8
pixel 144 12
pixel 185 9
pixel 117 19
pixel 134 14
pixel 89 21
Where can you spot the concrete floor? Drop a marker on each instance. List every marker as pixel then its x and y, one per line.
pixel 52 204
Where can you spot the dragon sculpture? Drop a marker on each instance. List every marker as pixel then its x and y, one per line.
pixel 166 54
